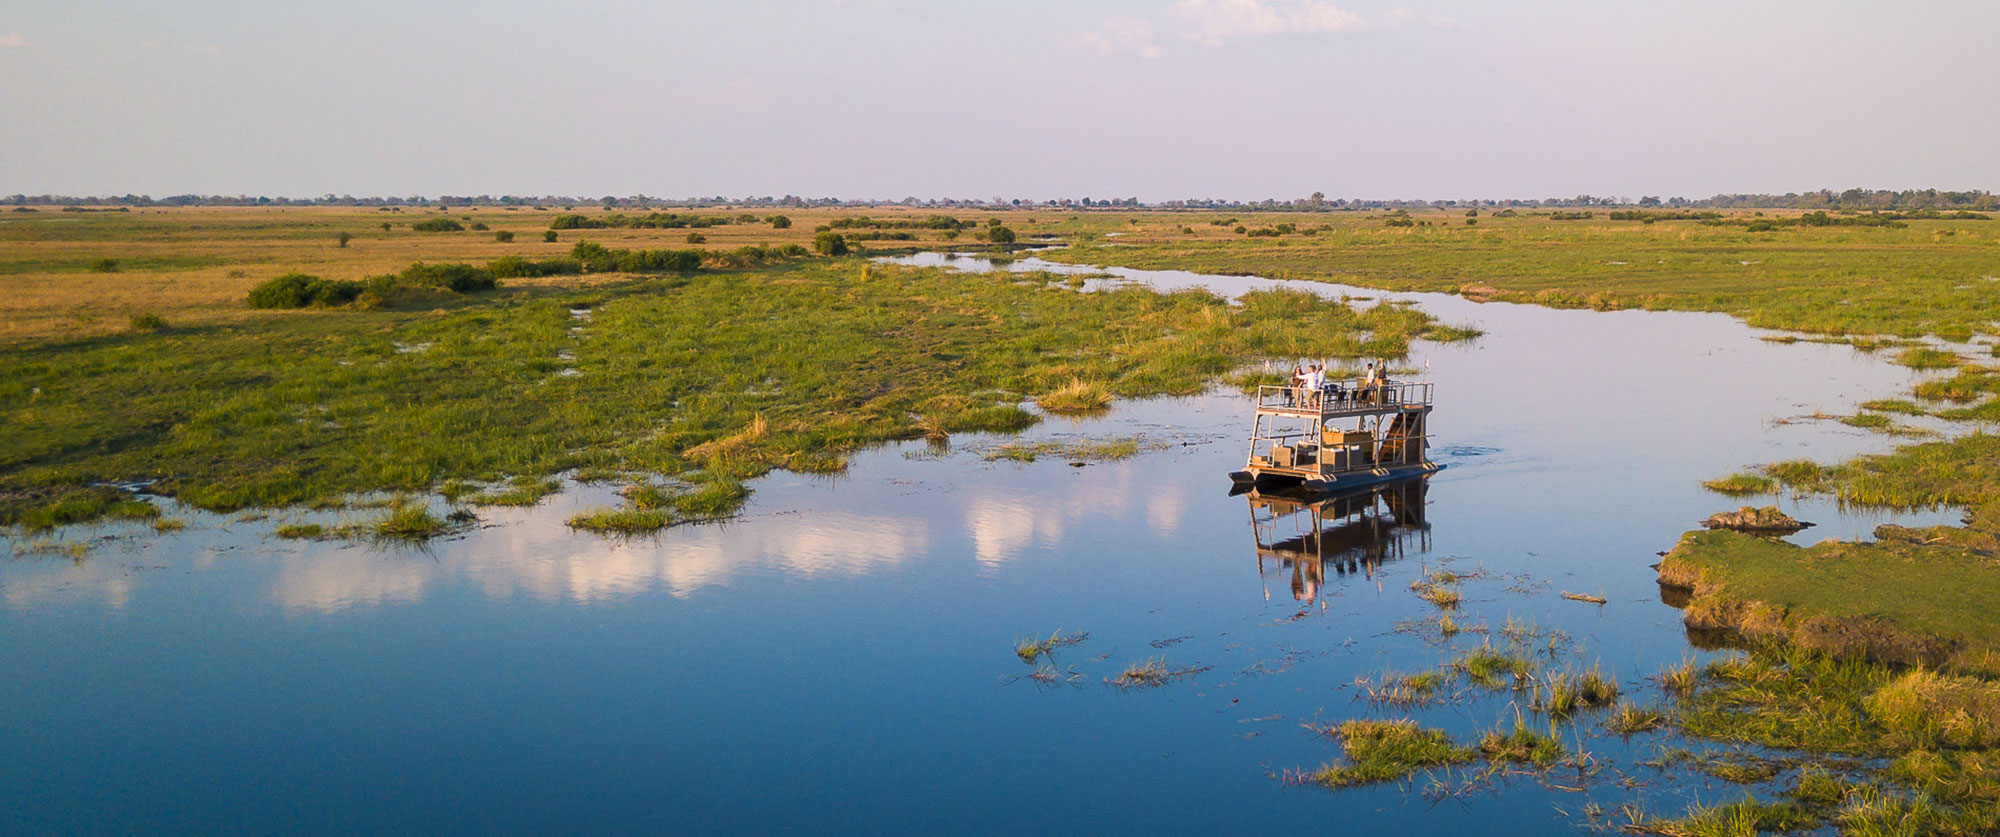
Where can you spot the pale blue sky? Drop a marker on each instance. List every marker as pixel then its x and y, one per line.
pixel 1157 99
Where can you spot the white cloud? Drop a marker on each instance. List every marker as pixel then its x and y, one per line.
pixel 1122 36
pixel 13 39
pixel 1218 21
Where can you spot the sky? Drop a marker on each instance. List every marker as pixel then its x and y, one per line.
pixel 1154 99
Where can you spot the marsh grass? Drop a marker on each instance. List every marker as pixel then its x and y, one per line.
pixel 1030 650
pixel 1629 718
pixel 520 491
pixel 1495 668
pixel 1076 397
pixel 1115 449
pixel 1523 745
pixel 1927 358
pixel 408 522
pixel 301 531
pixel 1382 751
pixel 1151 672
pixel 608 521
pixel 1562 694
pixel 672 375
pixel 1739 484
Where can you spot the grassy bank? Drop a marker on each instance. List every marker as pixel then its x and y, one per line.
pixel 1926 277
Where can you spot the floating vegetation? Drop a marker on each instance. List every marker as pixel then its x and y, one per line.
pixel 1030 650
pixel 169 524
pixel 1583 597
pixel 1151 672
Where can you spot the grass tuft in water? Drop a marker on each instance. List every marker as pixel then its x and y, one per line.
pixel 409 522
pixel 1382 751
pixel 1523 746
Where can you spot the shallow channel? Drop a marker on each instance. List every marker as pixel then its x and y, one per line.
pixel 841 657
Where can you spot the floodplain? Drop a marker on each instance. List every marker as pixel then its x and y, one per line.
pixel 921 460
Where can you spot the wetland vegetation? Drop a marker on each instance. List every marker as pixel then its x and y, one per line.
pixel 442 357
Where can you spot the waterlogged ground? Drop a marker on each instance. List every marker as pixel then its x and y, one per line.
pixel 841 658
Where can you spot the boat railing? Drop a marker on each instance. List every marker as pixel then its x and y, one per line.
pixel 1345 396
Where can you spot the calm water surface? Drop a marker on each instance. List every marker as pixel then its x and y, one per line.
pixel 840 659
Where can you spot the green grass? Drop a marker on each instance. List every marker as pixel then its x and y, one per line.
pixel 1906 282
pixel 621 521
pixel 1495 668
pixel 1918 596
pixel 1627 718
pixel 1741 484
pixel 1382 751
pixel 408 523
pixel 674 376
pixel 301 531
pixel 1918 357
pixel 521 491
pixel 1562 694
pixel 1523 745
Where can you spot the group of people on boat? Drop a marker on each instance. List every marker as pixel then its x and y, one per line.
pixel 1309 386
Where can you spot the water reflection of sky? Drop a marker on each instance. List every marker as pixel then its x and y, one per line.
pixel 849 640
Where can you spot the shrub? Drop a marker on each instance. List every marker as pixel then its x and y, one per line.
pixel 438 225
pixel 696 238
pixel 504 237
pixel 480 226
pixel 597 258
pixel 148 323
pixel 549 236
pixel 386 226
pixel 298 290
pixel 341 238
pixel 458 277
pixel 515 267
pixel 104 265
pixel 830 243
pixel 780 222
pixel 1000 235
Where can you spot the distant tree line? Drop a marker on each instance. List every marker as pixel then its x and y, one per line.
pixel 1863 200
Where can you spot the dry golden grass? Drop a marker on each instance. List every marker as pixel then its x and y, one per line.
pixel 194 265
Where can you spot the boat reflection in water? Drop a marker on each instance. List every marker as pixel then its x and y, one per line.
pixel 1352 532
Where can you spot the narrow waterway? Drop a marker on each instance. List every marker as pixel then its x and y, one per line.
pixel 841 658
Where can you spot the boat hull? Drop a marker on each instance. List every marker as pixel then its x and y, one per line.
pixel 1333 482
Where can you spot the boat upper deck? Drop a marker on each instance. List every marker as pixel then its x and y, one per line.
pixel 1343 398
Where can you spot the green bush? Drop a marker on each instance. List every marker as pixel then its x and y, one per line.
pixel 830 243
pixel 298 290
pixel 458 277
pixel 1000 235
pixel 780 222
pixel 599 259
pixel 148 323
pixel 438 225
pixel 504 237
pixel 549 236
pixel 104 265
pixel 696 238
pixel 515 267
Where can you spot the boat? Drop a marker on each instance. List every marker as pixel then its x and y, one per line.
pixel 1349 435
